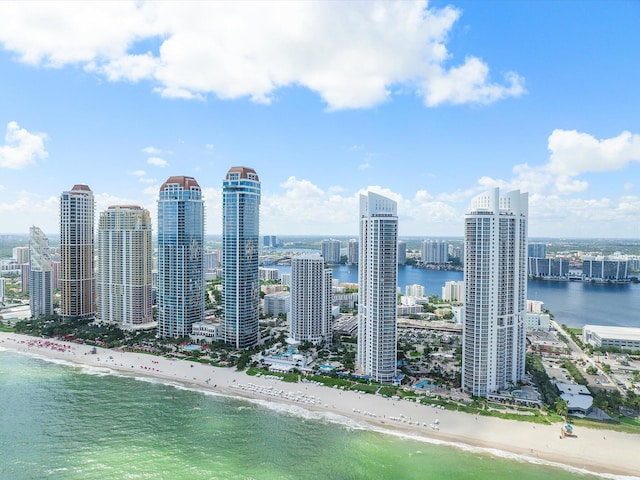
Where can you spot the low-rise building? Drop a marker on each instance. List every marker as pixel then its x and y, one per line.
pixel 625 338
pixel 578 398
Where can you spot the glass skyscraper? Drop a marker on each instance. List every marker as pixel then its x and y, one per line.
pixel 240 249
pixel 377 281
pixel 180 294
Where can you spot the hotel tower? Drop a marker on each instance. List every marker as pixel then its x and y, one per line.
pixel 377 281
pixel 310 318
pixel 240 248
pixel 124 266
pixel 180 294
pixel 495 282
pixel 40 274
pixel 77 277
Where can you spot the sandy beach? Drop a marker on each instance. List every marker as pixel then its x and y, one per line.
pixel 596 451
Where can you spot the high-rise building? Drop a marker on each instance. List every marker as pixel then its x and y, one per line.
pixel 495 277
pixel 21 255
pixel 2 285
pixel 537 250
pixel 240 248
pixel 414 290
pixel 124 266
pixel 435 251
pixel 453 291
pixel 402 252
pixel 377 280
pixel 40 274
pixel 311 298
pixel 270 241
pixel 77 277
pixel 352 252
pixel 330 251
pixel 180 290
pixel 212 260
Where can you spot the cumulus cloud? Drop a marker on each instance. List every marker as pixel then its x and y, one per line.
pixel 22 148
pixel 157 161
pixel 352 54
pixel 139 173
pixel 572 154
pixel 152 151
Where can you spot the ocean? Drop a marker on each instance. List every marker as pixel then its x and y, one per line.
pixel 66 422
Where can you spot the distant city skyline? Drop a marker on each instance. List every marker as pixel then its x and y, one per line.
pixel 428 104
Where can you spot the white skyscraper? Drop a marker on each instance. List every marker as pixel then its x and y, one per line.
pixel 40 274
pixel 495 276
pixel 330 251
pixel 377 279
pixel 311 297
pixel 124 260
pixel 352 252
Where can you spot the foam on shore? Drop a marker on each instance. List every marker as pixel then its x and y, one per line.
pixel 605 453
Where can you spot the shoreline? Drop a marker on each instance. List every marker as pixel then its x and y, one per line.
pixel 599 452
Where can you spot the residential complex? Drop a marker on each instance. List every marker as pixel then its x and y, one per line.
pixel 310 319
pixel 77 277
pixel 40 274
pixel 330 251
pixel 377 279
pixel 402 252
pixel 124 266
pixel 435 252
pixel 494 328
pixel 180 294
pixel 352 252
pixel 240 249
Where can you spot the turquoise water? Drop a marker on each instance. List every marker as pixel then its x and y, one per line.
pixel 63 422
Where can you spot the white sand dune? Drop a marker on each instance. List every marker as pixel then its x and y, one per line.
pixel 594 450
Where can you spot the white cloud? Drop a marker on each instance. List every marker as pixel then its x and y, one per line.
pixel 147 180
pixel 351 53
pixel 152 151
pixel 574 153
pixel 628 186
pixel 157 161
pixel 138 173
pixel 469 83
pixel 209 146
pixel 364 166
pixel 22 148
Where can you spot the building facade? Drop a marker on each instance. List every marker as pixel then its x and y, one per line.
pixel 453 291
pixel 377 280
pixel 77 276
pixel 240 249
pixel 40 274
pixel 352 252
pixel 537 250
pixel 402 252
pixel 435 252
pixel 180 287
pixel 310 319
pixel 124 266
pixel 330 251
pixel 495 276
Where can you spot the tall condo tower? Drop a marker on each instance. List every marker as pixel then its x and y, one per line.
pixel 495 282
pixel 352 252
pixel 240 247
pixel 180 290
pixel 330 250
pixel 311 298
pixel 77 277
pixel 124 266
pixel 377 280
pixel 40 274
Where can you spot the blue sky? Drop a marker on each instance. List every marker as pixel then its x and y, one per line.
pixel 430 104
